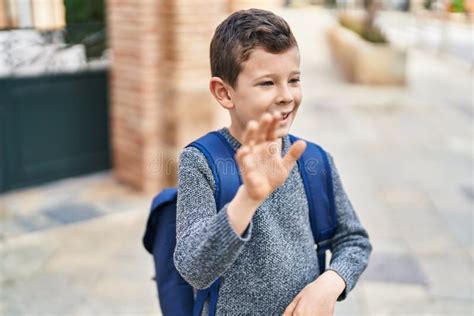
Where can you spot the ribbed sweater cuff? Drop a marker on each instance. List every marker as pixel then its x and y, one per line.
pixel 347 274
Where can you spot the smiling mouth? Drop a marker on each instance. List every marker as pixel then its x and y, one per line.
pixel 284 115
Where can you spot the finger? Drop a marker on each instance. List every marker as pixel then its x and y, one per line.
pixel 291 308
pixel 265 121
pixel 249 133
pixel 294 153
pixel 240 154
pixel 271 135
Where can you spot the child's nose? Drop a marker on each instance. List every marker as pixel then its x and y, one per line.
pixel 284 96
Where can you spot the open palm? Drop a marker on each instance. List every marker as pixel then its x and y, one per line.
pixel 259 158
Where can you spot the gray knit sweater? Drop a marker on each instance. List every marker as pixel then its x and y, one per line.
pixel 265 269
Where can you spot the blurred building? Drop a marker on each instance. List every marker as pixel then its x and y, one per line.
pixel 54 100
pixel 151 102
pixel 58 120
pixel 38 14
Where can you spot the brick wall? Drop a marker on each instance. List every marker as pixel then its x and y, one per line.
pixel 159 83
pixel 235 5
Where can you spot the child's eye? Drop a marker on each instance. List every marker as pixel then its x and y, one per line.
pixel 266 83
pixel 295 80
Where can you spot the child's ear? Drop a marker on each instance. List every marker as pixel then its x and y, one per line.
pixel 220 91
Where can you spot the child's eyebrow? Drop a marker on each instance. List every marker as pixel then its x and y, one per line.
pixel 294 72
pixel 265 75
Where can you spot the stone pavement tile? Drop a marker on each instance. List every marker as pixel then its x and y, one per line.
pixel 432 307
pixel 370 206
pixel 111 197
pixel 361 125
pixel 451 127
pixel 394 268
pixel 24 257
pixel 454 216
pixel 379 224
pixel 392 299
pixel 109 292
pixel 436 308
pixel 129 266
pixel 461 225
pixel 418 220
pixel 42 294
pixel 427 71
pixel 65 202
pixel 428 308
pixel 359 182
pixel 353 305
pixel 88 308
pixel 72 212
pixel 94 308
pixel 312 120
pixel 468 191
pixel 396 246
pixel 450 275
pixel 18 224
pixel 456 211
pixel 69 188
pixel 80 257
pixel 99 262
pixel 441 307
pixel 118 203
pixel 24 201
pixel 15 210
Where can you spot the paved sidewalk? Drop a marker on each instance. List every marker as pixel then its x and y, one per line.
pixel 81 252
pixel 405 155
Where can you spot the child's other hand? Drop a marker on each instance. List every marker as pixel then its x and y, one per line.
pixel 259 158
pixel 317 298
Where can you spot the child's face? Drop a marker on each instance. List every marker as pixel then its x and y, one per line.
pixel 267 83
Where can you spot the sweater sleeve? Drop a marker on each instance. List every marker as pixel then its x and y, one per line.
pixel 206 244
pixel 350 246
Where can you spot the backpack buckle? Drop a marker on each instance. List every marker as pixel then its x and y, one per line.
pixel 323 245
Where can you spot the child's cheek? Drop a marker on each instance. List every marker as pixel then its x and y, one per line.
pixel 298 95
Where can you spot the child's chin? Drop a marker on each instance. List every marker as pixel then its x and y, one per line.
pixel 282 131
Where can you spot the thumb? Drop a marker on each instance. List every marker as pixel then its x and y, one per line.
pixel 293 154
pixel 291 308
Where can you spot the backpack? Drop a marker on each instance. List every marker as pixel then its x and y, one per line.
pixel 176 296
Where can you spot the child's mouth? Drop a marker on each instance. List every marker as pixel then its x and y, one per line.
pixel 285 115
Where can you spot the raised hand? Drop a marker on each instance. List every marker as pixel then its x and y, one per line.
pixel 259 158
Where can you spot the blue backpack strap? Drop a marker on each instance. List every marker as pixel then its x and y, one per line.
pixel 220 158
pixel 317 179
